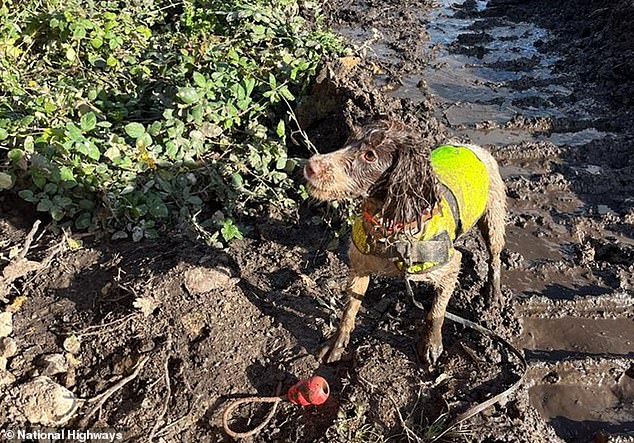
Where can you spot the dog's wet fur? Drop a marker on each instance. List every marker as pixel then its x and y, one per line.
pixel 388 165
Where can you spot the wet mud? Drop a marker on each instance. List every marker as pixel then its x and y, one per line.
pixel 547 88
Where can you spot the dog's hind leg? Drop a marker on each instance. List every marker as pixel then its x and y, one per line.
pixel 492 226
pixel 444 282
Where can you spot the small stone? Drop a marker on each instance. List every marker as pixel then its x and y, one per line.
pixel 6 324
pixel 42 401
pixel 199 280
pixel 72 344
pixel 603 209
pixel 70 379
pixel 53 364
pixel 6 378
pixel 8 348
pixel 194 322
pixel 3 363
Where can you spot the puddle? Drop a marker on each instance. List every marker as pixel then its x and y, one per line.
pixel 577 410
pixel 581 398
pixel 494 73
pixel 576 335
pixel 553 283
pixel 409 89
pixel 531 246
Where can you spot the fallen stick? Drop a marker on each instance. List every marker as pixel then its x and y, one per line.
pixel 166 403
pixel 28 240
pixel 104 396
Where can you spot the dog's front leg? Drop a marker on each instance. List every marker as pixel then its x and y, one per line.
pixel 444 281
pixel 357 285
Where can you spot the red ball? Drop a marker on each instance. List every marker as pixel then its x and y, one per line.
pixel 312 391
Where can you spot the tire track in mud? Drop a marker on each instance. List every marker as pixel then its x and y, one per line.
pixel 569 248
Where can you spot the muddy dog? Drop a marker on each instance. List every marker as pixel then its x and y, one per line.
pixel 416 202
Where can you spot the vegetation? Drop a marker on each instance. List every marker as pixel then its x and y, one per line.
pixel 131 116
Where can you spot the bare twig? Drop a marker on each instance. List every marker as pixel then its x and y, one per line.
pixel 104 396
pixel 29 240
pixel 166 403
pixel 411 435
pixel 166 428
pixel 113 325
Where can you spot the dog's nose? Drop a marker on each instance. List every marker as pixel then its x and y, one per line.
pixel 311 169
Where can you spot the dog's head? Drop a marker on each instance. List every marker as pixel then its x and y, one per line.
pixel 385 161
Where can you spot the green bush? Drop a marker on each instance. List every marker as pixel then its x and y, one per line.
pixel 129 116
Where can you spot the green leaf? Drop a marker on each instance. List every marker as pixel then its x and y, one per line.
pixel 71 54
pixel 66 174
pixel 6 181
pixel 249 84
pixel 272 81
pixel 237 180
pixel 62 201
pixel 15 154
pixel 230 231
pixel 188 95
pixel 286 93
pixel 90 149
pixel 135 130
pixel 57 213
pixel 27 195
pixel 73 132
pixel 155 128
pixel 112 153
pixel 200 79
pixel 44 205
pixel 79 32
pixel 88 122
pixel 157 208
pixel 29 143
pixel 280 163
pixel 281 129
pixel 50 107
pixel 86 204
pixel 144 141
pixel 194 200
pixel 3 134
pixel 96 42
pixel 50 188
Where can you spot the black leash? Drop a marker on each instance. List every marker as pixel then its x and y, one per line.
pixel 470 324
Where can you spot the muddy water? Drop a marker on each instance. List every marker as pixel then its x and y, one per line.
pixel 488 75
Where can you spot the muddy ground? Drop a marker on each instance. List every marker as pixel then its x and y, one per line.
pixel 546 86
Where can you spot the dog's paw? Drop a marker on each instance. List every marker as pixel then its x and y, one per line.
pixel 429 350
pixel 333 351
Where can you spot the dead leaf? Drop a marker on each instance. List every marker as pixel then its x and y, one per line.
pixel 146 305
pixel 19 269
pixel 72 344
pixel 17 303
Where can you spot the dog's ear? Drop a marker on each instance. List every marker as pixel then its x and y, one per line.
pixel 410 186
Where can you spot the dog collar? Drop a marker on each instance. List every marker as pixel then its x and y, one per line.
pixel 377 225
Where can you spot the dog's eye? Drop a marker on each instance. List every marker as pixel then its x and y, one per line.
pixel 369 156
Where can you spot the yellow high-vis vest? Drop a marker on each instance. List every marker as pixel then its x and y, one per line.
pixel 465 186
